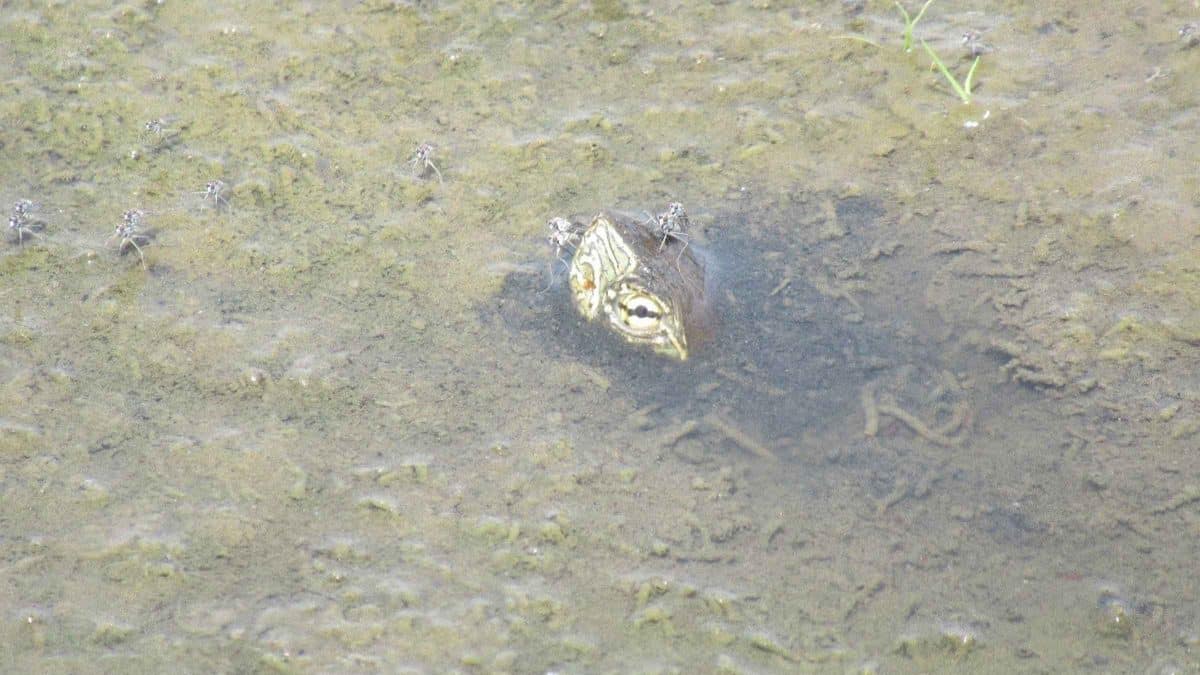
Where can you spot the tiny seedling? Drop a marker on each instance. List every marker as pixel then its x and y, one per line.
pixel 671 224
pixel 963 90
pixel 129 233
pixel 214 191
pixel 158 134
pixel 422 161
pixel 564 236
pixel 911 22
pixel 22 222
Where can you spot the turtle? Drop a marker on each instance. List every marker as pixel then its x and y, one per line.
pixel 641 280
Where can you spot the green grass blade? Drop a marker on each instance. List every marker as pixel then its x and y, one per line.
pixel 908 27
pixel 910 23
pixel 962 94
pixel 922 12
pixel 970 76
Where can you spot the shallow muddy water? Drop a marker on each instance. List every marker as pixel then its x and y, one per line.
pixel 345 419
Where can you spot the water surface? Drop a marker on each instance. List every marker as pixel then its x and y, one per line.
pixel 348 423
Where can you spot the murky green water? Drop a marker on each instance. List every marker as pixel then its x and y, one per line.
pixel 346 422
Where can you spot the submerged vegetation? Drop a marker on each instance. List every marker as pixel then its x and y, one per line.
pixel 910 22
pixel 963 90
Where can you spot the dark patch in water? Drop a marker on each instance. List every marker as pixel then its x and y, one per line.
pixel 1012 528
pixel 777 365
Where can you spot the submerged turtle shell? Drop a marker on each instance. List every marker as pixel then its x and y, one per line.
pixel 649 290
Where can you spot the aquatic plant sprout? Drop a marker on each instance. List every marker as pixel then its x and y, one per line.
pixel 856 38
pixel 963 90
pixel 910 22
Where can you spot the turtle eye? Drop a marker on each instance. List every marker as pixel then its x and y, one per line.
pixel 641 313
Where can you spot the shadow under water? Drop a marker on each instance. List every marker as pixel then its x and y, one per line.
pixel 793 349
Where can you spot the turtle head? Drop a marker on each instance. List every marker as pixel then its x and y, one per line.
pixel 640 287
pixel 643 317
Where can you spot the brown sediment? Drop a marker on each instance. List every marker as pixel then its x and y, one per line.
pixel 960 419
pixel 870 411
pixel 645 417
pixel 1189 336
pixel 963 247
pixel 750 382
pixel 679 433
pixel 918 427
pixel 836 292
pixel 998 271
pixel 780 286
pixel 748 443
pixel 1189 495
pixel 902 489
